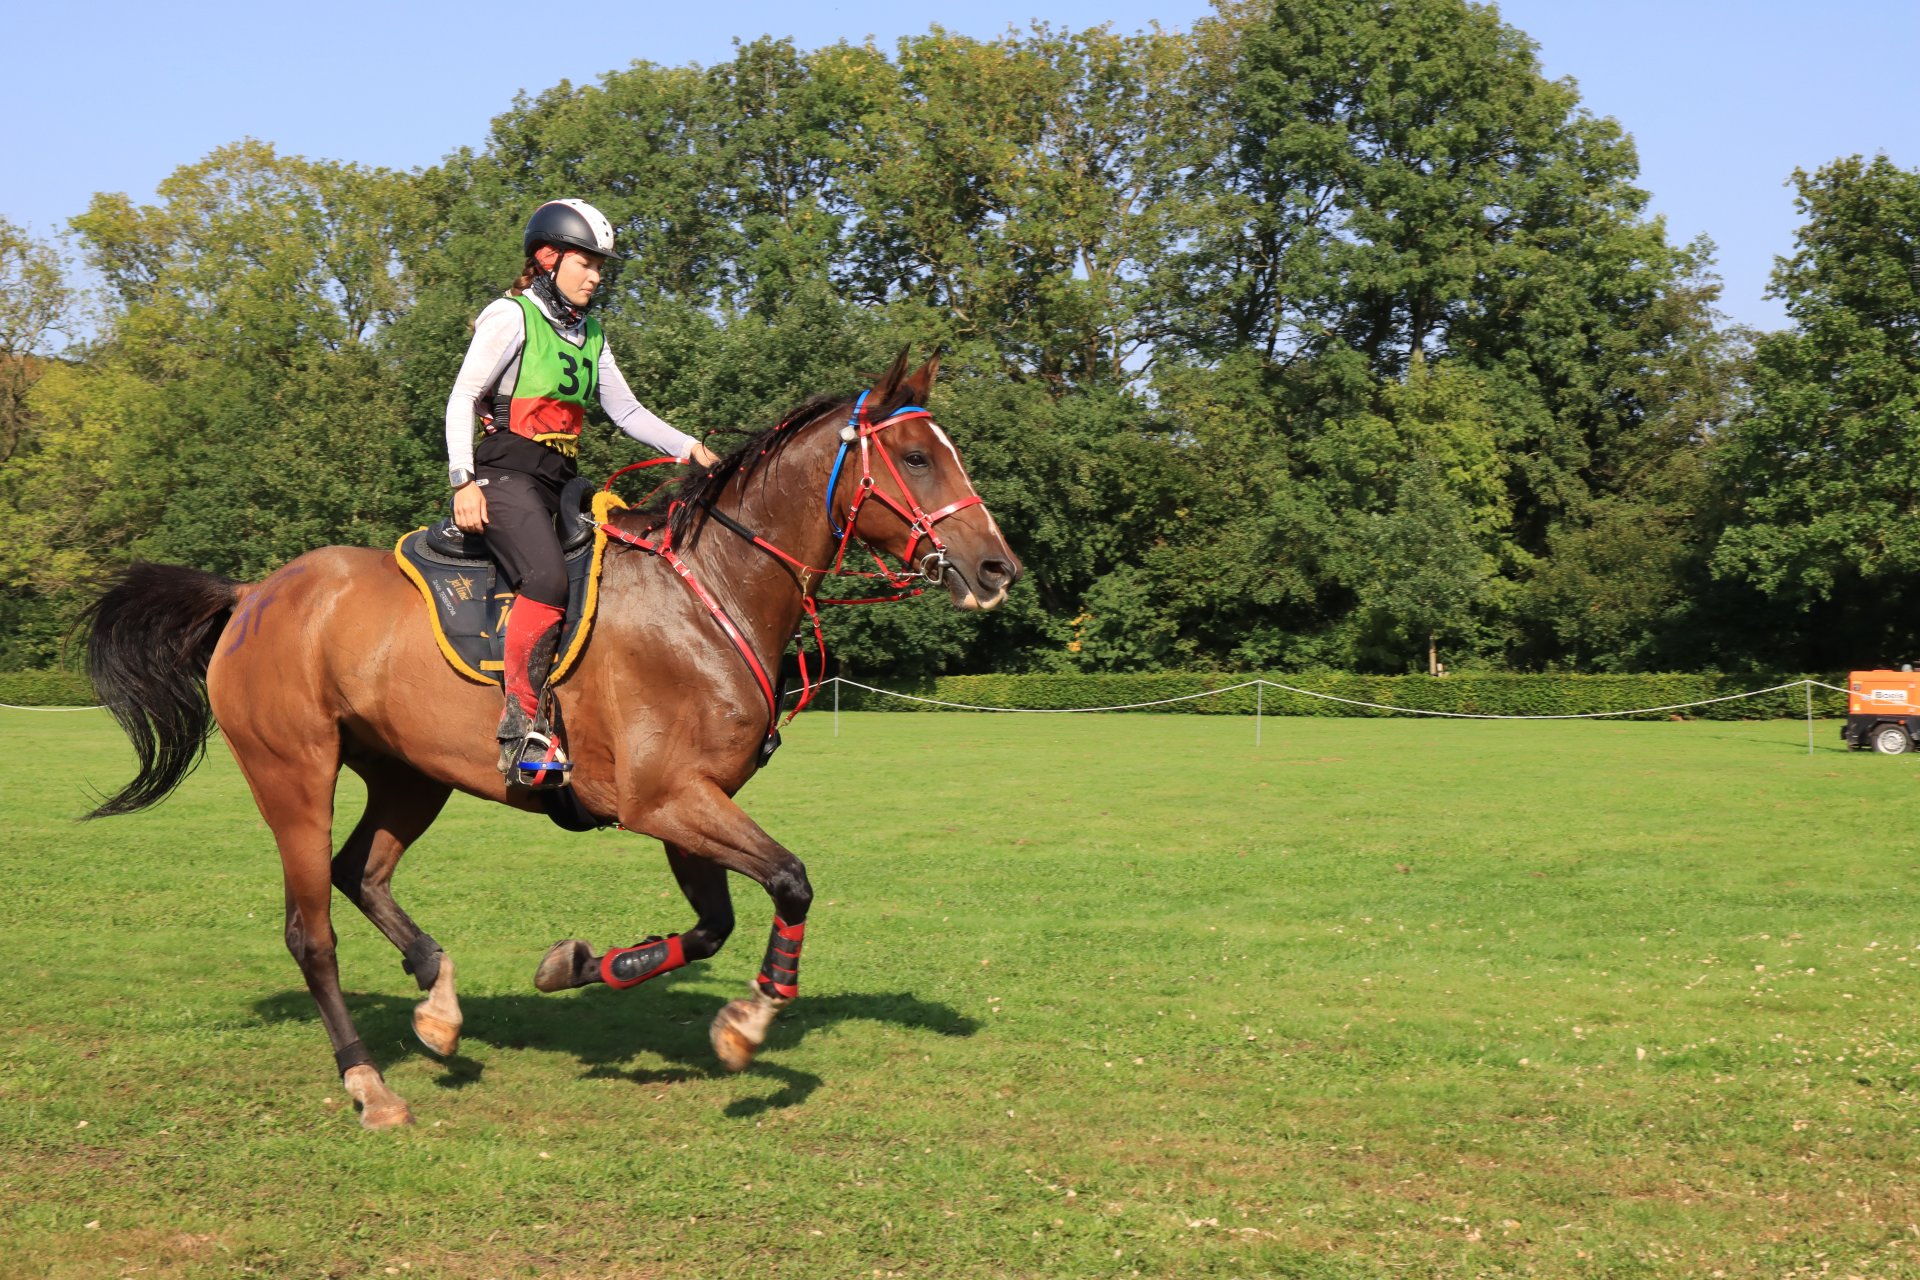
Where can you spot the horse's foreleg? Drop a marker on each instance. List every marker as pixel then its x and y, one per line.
pixel 574 964
pixel 401 804
pixel 741 1027
pixel 707 825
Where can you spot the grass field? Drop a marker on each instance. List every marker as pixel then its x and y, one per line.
pixel 1084 996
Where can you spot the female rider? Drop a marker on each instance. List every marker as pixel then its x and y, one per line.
pixel 535 361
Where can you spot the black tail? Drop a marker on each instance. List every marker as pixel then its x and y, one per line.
pixel 149 640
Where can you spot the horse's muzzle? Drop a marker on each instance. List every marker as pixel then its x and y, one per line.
pixel 984 588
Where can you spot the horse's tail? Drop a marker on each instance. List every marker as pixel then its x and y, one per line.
pixel 149 640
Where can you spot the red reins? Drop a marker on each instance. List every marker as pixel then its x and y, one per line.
pixel 920 524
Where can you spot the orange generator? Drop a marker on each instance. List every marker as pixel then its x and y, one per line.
pixel 1883 711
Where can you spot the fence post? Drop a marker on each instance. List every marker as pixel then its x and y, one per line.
pixel 836 706
pixel 1259 708
pixel 1809 688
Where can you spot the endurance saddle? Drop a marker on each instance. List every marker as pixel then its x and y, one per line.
pixel 469 605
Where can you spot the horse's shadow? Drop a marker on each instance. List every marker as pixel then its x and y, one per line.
pixel 604 1029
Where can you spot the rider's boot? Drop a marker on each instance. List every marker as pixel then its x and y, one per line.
pixel 530 750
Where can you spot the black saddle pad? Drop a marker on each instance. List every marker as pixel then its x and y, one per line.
pixel 469 606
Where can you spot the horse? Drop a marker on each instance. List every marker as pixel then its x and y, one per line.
pixel 331 661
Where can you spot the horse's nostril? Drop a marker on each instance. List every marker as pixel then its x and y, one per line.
pixel 996 573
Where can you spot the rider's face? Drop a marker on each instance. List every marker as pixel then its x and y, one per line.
pixel 577 275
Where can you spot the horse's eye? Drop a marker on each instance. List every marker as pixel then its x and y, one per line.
pixel 916 459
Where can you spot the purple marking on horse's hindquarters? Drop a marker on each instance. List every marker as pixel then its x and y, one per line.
pixel 246 622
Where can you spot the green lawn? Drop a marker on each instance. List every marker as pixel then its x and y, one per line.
pixel 1083 996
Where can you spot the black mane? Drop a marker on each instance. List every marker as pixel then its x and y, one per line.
pixel 695 494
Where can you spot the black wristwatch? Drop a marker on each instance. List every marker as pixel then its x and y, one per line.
pixel 458 476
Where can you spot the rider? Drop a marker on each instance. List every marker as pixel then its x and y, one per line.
pixel 535 361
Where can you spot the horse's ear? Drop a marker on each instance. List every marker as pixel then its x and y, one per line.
pixel 885 395
pixel 920 382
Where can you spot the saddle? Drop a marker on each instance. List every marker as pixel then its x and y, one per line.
pixel 469 606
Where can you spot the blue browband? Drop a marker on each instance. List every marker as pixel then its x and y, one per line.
pixel 853 420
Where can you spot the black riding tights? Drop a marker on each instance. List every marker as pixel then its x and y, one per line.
pixel 520 534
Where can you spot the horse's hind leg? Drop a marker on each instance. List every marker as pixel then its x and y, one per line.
pixel 401 804
pixel 574 964
pixel 296 798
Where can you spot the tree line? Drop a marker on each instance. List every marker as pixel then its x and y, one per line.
pixel 1326 334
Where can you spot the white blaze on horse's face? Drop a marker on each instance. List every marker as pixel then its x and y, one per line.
pixel 979 565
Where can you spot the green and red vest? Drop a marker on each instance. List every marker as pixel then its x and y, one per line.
pixel 557 381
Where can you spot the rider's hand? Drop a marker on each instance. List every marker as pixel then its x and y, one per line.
pixel 701 455
pixel 470 508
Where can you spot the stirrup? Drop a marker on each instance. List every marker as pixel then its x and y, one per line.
pixel 530 751
pixel 540 760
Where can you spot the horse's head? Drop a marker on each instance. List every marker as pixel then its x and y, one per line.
pixel 902 487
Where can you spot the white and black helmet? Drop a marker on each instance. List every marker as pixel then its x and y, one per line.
pixel 572 224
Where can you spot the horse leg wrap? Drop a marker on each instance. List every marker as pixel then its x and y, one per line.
pixel 624 967
pixel 780 971
pixel 422 960
pixel 347 1057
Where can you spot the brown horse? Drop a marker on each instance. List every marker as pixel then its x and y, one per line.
pixel 332 660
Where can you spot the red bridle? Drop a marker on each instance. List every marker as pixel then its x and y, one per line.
pixel 920 524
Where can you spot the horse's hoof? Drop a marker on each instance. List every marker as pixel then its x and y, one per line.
pixel 380 1107
pixel 741 1028
pixel 436 1020
pixel 566 964
pixel 441 1037
pixel 734 1050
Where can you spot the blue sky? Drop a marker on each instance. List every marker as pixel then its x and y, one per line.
pixel 1725 99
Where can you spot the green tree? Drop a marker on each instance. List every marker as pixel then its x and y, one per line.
pixel 1825 470
pixel 1405 186
pixel 38 540
pixel 1418 570
pixel 35 304
pixel 247 301
pixel 1024 188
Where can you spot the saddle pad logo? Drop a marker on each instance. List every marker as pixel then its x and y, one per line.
pixel 454 591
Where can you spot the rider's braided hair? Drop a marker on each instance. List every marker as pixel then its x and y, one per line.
pixel 528 274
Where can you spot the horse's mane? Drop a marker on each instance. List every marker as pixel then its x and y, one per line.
pixel 686 503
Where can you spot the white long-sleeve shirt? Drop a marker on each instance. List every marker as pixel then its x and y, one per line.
pixel 493 360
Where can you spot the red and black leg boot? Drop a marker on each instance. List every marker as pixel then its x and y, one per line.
pixel 624 967
pixel 780 970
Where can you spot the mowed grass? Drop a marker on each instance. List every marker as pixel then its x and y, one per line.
pixel 1083 996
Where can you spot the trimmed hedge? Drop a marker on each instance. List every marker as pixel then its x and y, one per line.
pixel 1480 694
pixel 46 689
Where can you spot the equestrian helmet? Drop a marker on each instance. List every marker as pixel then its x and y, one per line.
pixel 570 224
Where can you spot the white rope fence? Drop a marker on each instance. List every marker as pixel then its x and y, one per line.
pixel 1261 684
pixel 1326 697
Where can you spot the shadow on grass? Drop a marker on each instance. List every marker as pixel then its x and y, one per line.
pixel 1796 746
pixel 603 1029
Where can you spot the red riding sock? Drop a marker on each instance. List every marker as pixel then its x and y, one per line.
pixel 528 621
